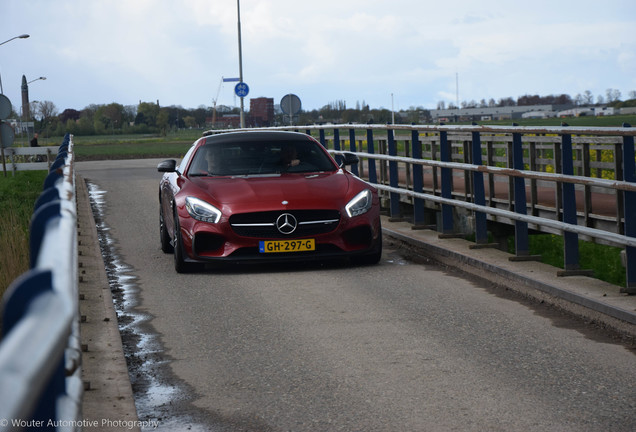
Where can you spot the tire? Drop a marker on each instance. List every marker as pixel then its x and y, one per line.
pixel 372 257
pixel 180 265
pixel 166 246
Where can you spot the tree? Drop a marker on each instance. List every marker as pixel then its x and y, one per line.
pixel 147 113
pixel 562 99
pixel 129 114
pixel 200 115
pixel 578 99
pixel 110 115
pixel 528 100
pixel 508 101
pixel 45 110
pixel 613 95
pixel 189 121
pixel 163 121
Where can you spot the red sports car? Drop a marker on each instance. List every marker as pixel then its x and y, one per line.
pixel 265 196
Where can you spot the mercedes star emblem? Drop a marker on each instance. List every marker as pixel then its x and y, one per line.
pixel 286 223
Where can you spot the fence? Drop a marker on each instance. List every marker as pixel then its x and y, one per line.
pixel 571 181
pixel 28 158
pixel 40 356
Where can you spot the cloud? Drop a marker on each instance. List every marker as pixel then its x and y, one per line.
pixel 178 50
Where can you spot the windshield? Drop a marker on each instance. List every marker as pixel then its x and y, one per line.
pixel 258 158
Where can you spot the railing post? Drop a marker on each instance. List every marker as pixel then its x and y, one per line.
pixel 479 193
pixel 522 248
pixel 352 148
pixel 336 144
pixel 570 240
pixel 393 178
pixel 619 175
pixel 533 182
pixel 321 138
pixel 418 180
pixel 373 176
pixel 447 183
pixel 629 173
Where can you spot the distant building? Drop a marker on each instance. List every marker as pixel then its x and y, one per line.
pixel 227 121
pixel 576 112
pixel 538 114
pixel 604 111
pixel 492 113
pixel 261 112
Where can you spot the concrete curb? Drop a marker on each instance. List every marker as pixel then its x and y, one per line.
pixel 583 296
pixel 108 399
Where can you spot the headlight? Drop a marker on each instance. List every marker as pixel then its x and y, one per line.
pixel 202 211
pixel 360 204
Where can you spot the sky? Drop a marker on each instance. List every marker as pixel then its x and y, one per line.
pixel 393 54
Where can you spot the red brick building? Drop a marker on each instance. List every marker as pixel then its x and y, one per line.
pixel 261 112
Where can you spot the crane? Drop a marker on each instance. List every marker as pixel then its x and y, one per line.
pixel 217 95
pixel 214 102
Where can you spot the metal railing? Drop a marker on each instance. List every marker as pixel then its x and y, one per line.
pixel 28 158
pixel 40 353
pixel 570 181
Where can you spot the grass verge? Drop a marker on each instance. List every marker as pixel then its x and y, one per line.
pixel 604 260
pixel 17 197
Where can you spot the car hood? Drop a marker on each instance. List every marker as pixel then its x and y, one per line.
pixel 268 192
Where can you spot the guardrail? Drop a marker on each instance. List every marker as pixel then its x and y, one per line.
pixel 28 158
pixel 466 165
pixel 40 353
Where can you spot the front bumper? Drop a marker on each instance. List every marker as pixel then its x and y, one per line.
pixel 205 242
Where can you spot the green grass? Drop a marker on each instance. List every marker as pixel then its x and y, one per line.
pixel 17 197
pixel 134 146
pixel 604 260
pixel 130 150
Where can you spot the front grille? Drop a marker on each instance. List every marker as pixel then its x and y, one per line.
pixel 263 224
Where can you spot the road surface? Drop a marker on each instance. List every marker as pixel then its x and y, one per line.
pixel 403 345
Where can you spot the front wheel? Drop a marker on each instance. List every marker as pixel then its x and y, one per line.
pixel 180 265
pixel 371 258
pixel 166 246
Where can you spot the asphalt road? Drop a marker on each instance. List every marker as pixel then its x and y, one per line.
pixel 401 346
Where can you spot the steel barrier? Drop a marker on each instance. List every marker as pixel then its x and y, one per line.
pixel 589 172
pixel 40 354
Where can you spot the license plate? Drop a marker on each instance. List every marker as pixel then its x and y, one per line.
pixel 278 246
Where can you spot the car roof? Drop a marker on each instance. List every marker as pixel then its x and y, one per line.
pixel 256 136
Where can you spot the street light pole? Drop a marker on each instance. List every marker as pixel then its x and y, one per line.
pixel 41 78
pixel 23 36
pixel 26 105
pixel 240 50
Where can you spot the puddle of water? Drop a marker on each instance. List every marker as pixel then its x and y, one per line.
pixel 144 353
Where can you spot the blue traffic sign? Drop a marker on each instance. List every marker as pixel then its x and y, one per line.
pixel 241 89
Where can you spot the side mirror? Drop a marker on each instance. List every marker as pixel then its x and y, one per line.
pixel 167 166
pixel 350 159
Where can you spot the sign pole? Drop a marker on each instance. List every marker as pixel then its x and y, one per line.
pixel 240 53
pixel 4 165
